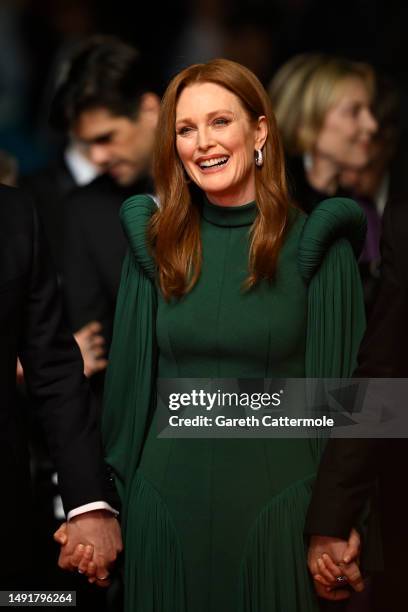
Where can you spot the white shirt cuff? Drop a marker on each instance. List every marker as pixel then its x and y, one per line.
pixel 97 505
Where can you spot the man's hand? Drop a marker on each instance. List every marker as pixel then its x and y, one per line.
pixel 92 346
pixel 329 558
pixel 91 543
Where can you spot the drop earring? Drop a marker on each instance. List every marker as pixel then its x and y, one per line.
pixel 258 158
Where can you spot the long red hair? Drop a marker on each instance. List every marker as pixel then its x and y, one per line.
pixel 174 230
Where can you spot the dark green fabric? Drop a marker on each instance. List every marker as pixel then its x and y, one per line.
pixel 217 525
pixel 336 316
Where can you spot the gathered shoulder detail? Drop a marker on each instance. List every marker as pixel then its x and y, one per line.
pixel 331 220
pixel 135 214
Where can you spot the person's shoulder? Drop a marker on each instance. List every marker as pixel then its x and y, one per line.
pixel 333 221
pixel 44 175
pixel 84 200
pixel 135 215
pixel 136 211
pixel 12 196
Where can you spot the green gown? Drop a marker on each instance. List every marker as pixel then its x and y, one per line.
pixel 216 525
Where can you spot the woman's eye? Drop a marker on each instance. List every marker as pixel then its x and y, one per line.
pixel 354 110
pixel 184 131
pixel 221 121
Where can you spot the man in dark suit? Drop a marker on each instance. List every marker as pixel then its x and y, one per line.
pixel 107 105
pixel 104 106
pixel 32 328
pixel 51 185
pixel 49 188
pixel 349 467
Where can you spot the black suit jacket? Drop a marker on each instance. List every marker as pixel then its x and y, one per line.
pixel 349 467
pixel 32 327
pixel 94 246
pixel 48 188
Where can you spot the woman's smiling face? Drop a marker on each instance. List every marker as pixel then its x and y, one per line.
pixel 216 140
pixel 348 127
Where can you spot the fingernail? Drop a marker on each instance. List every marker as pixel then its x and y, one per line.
pixel 346 559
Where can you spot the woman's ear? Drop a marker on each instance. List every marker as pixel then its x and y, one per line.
pixel 261 133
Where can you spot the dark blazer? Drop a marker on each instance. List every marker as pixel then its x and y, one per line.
pixel 32 327
pixel 48 188
pixel 349 466
pixel 93 250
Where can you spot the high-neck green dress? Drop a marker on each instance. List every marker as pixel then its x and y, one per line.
pixel 216 525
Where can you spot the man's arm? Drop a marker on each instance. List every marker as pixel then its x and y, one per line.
pixel 54 376
pixel 53 371
pixel 349 466
pixel 84 290
pixel 344 483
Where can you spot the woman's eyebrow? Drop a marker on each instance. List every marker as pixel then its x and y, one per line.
pixel 209 115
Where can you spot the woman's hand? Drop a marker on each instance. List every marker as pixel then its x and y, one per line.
pixel 334 563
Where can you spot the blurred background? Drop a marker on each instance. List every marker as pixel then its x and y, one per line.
pixel 36 35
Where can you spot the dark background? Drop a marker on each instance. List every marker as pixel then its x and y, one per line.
pixel 36 35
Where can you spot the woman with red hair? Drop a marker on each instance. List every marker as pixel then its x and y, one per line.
pixel 224 279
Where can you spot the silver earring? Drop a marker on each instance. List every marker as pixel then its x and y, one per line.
pixel 308 162
pixel 259 157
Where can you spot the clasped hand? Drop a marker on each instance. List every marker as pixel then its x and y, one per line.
pixel 334 562
pixel 90 544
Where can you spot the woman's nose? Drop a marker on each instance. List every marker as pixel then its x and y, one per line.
pixel 204 139
pixel 369 121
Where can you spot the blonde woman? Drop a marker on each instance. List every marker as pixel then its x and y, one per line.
pixel 323 109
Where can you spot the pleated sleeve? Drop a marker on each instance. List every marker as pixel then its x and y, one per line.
pixel 130 380
pixel 331 239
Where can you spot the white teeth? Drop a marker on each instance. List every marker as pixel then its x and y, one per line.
pixel 215 161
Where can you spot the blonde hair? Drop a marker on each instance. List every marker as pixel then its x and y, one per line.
pixel 305 88
pixel 175 228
